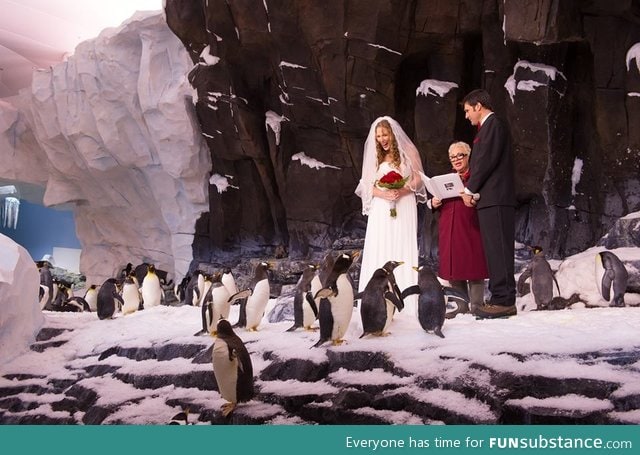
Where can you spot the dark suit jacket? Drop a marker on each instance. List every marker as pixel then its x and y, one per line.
pixel 491 165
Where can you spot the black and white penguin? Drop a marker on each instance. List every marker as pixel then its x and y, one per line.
pixel 542 279
pixel 229 281
pixel 336 301
pixel 432 306
pixel 75 304
pixel 611 273
pixel 181 418
pixel 46 282
pixel 108 297
pixel 232 368
pixel 215 305
pixel 91 297
pixel 151 290
pixel 305 310
pixel 257 298
pixel 130 295
pixel 379 300
pixel 62 292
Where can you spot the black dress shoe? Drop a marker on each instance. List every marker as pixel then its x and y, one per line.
pixel 492 311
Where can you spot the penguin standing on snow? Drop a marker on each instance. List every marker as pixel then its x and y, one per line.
pixel 336 301
pixel 542 279
pixel 215 304
pixel 46 285
pixel 91 297
pixel 257 298
pixel 229 282
pixel 611 273
pixel 305 310
pixel 107 297
pixel 379 300
pixel 232 368
pixel 432 305
pixel 151 290
pixel 130 295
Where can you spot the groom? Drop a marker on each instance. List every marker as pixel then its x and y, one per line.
pixel 492 176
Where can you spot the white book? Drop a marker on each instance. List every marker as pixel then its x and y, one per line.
pixel 444 186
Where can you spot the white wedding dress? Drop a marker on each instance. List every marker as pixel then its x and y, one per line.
pixel 390 238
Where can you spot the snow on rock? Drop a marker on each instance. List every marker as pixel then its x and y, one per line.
pixel 512 84
pixel 20 315
pixel 435 87
pixel 311 162
pixel 633 54
pixel 273 121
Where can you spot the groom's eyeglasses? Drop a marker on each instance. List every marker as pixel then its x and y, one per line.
pixel 457 157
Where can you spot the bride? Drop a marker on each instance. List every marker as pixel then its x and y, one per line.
pixel 389 237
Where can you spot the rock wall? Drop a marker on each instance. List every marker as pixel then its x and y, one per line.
pixel 281 77
pixel 111 132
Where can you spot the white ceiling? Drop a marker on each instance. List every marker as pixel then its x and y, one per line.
pixel 40 33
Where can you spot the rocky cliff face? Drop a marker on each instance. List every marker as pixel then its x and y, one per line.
pixel 287 91
pixel 112 133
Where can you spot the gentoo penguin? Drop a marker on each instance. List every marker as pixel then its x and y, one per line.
pixel 130 295
pixel 201 289
pixel 257 297
pixel 229 282
pixel 91 297
pixel 151 290
pixel 46 281
pixel 75 304
pixel 107 296
pixel 61 295
pixel 191 290
pixel 560 303
pixel 611 273
pixel 126 271
pixel 379 300
pixel 316 284
pixel 542 279
pixel 336 301
pixel 431 301
pixel 181 418
pixel 232 368
pixel 305 310
pixel 215 304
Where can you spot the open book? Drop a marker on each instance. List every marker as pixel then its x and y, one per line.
pixel 444 186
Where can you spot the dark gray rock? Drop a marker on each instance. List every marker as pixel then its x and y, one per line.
pixel 298 369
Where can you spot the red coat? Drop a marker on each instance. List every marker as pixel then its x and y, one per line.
pixel 459 243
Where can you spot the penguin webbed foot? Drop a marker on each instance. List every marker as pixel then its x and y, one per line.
pixel 311 329
pixel 199 333
pixel 337 342
pixel 227 409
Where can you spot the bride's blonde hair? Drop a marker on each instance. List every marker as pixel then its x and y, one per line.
pixel 393 147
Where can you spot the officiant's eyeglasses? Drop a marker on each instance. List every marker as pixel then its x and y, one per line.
pixel 457 157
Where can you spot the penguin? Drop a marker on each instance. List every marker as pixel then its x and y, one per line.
pixel 200 285
pixel 232 367
pixel 46 281
pixel 379 300
pixel 126 271
pixel 130 295
pixel 91 297
pixel 229 282
pixel 151 291
pixel 305 311
pixel 44 296
pixel 432 306
pixel 140 271
pixel 215 304
pixel 611 273
pixel 181 418
pixel 107 297
pixel 75 304
pixel 336 301
pixel 257 298
pixel 62 294
pixel 560 303
pixel 191 289
pixel 542 279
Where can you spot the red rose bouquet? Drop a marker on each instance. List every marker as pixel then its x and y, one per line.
pixel 392 181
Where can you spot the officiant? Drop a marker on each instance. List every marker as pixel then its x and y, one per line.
pixel 460 251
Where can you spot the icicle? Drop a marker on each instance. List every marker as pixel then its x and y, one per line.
pixel 11 210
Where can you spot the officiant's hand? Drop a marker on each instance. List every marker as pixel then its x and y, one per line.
pixel 468 199
pixel 435 203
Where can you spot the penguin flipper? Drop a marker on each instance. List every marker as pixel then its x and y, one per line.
pixel 393 298
pixel 397 294
pixel 324 293
pixel 293 328
pixel 438 331
pixel 325 318
pixel 607 280
pixel 312 303
pixel 239 295
pixel 411 290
